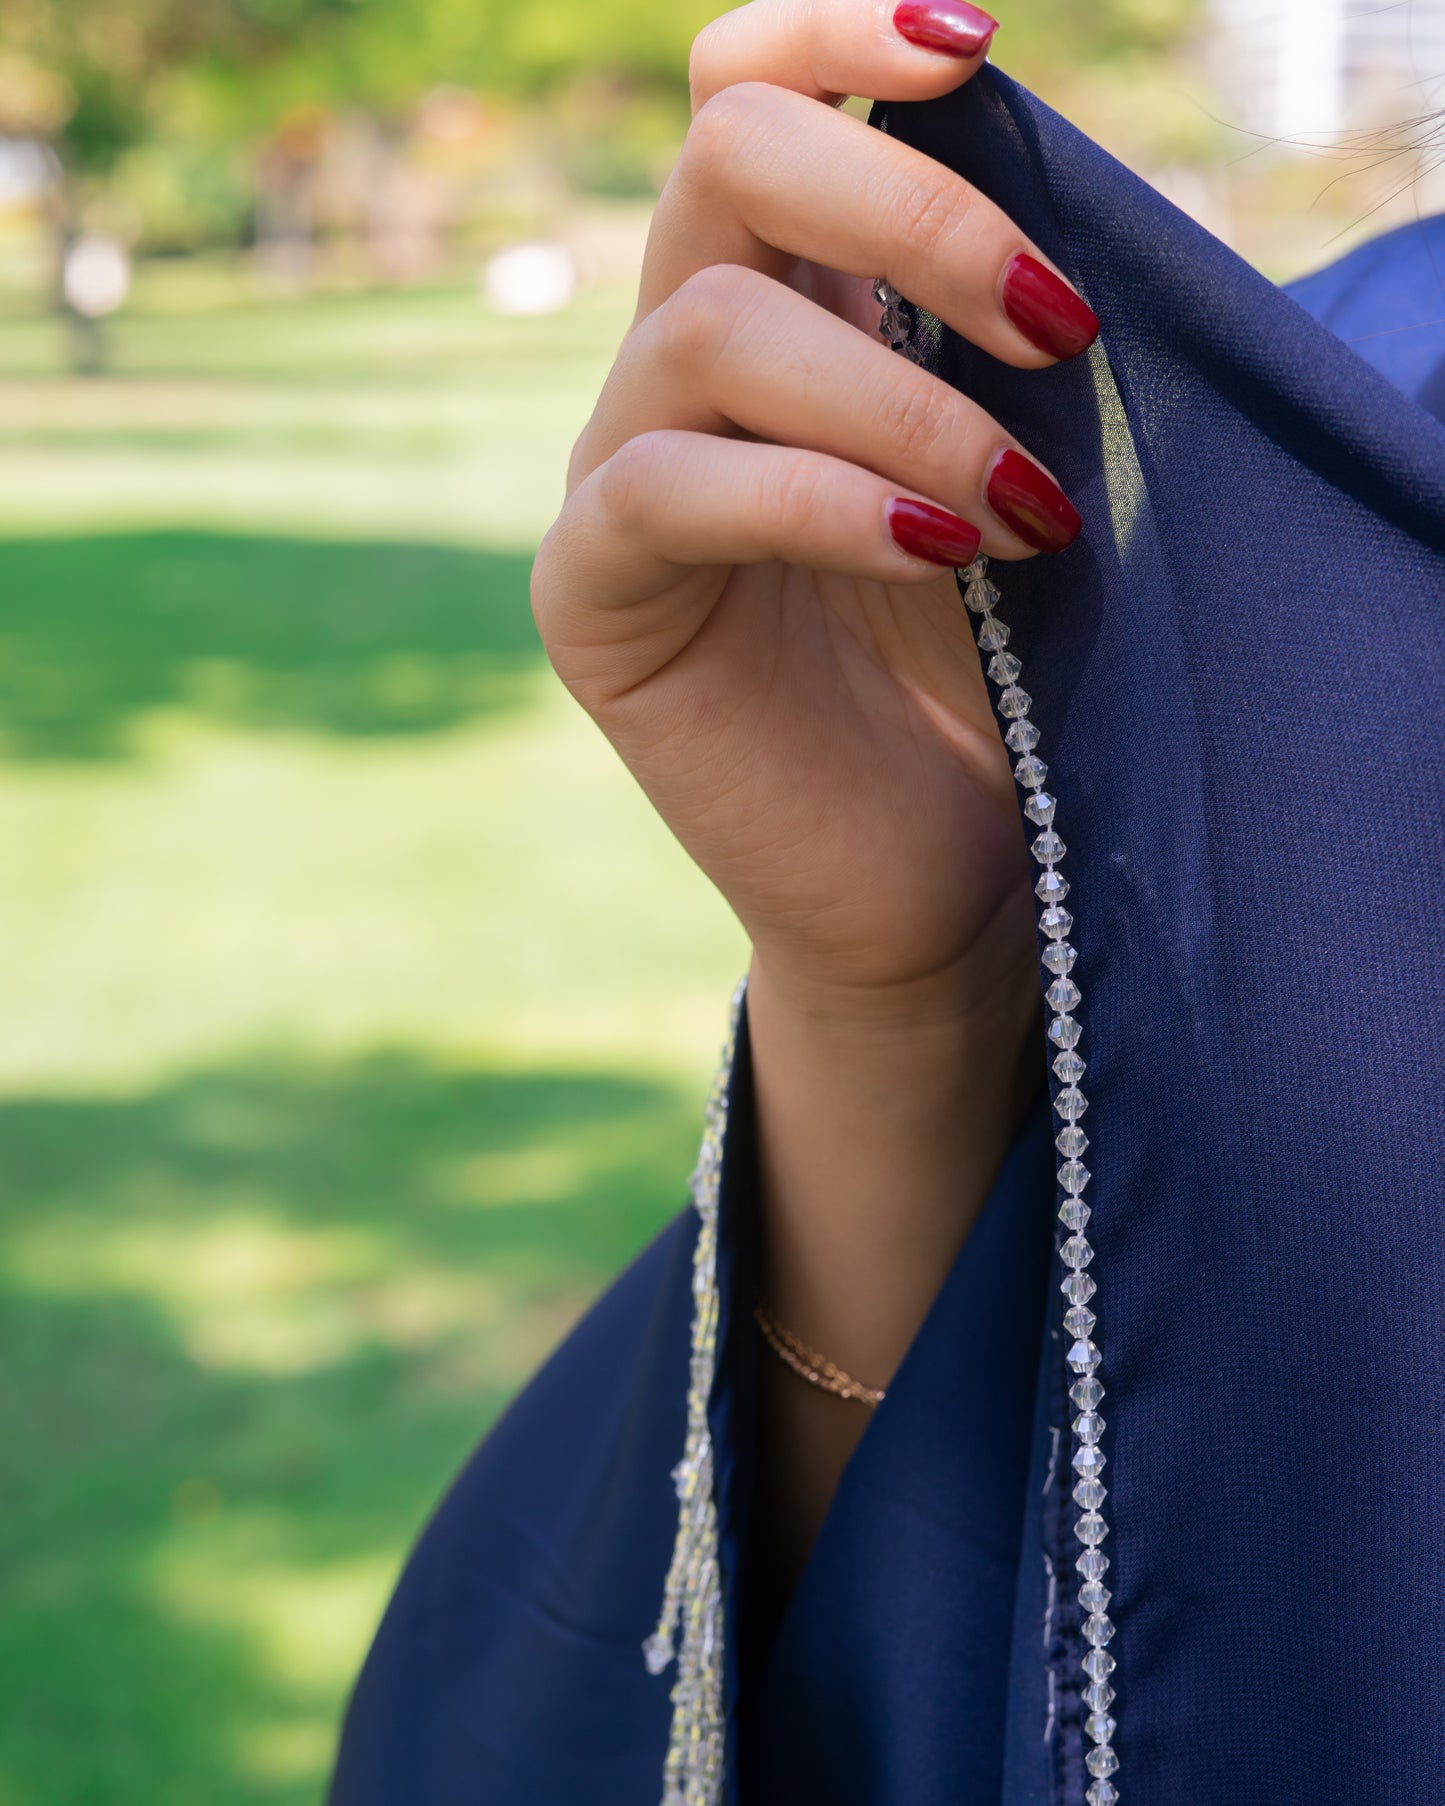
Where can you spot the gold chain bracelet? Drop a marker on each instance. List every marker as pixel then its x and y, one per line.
pixel 809 1365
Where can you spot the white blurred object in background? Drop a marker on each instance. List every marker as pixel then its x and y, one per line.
pixel 530 278
pixel 1311 68
pixel 95 276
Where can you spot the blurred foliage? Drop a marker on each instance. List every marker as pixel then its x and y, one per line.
pixel 359 1009
pixel 170 100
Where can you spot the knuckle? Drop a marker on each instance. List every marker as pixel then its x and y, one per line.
pixel 701 61
pixel 916 419
pixel 799 493
pixel 929 210
pixel 629 481
pixel 724 122
pixel 540 586
pixel 704 312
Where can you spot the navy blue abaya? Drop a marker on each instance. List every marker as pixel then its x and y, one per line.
pixel 1238 674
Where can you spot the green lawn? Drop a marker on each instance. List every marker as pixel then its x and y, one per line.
pixel 357 1013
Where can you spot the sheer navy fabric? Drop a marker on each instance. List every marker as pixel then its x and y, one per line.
pixel 1238 671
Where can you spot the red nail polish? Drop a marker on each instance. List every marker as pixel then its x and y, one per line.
pixel 952 26
pixel 932 533
pixel 1031 504
pixel 1045 309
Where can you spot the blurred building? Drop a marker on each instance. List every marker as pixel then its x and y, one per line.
pixel 1309 68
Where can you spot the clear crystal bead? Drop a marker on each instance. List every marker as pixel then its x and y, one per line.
pixel 1069 1067
pixel 1074 1213
pixel 1056 923
pixel 1076 1252
pixel 1079 1288
pixel 1048 847
pixel 1093 1564
pixel 1098 1696
pixel 1064 994
pixel 1074 1176
pixel 1071 1102
pixel 1091 1529
pixel 1064 1031
pixel 1102 1793
pixel 1071 1141
pixel 1022 737
pixel 1086 1394
pixel 1089 1461
pixel 1101 1761
pixel 1083 1357
pixel 1059 957
pixel 1003 668
pixel 1078 1321
pixel 1014 703
pixel 1089 1495
pixel 1098 1664
pixel 1088 1426
pixel 992 634
pixel 980 595
pixel 1040 808
pixel 1052 887
pixel 1099 1727
pixel 1030 772
pixel 1095 1597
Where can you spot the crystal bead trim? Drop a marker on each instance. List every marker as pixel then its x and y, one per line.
pixel 1065 1033
pixel 692 1593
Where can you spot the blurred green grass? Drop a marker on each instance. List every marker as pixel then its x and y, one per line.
pixel 357 1009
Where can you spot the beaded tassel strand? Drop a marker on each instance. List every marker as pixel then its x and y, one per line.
pixel 692 1592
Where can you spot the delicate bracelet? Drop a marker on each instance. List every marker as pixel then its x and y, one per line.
pixel 808 1364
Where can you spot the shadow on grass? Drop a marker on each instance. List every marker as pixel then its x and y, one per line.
pixel 355 639
pixel 251 1324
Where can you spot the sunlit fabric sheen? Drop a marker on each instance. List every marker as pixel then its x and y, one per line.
pixel 1238 673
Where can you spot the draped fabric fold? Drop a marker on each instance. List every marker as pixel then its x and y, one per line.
pixel 1238 672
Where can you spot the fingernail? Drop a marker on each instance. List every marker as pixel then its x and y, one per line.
pixel 952 26
pixel 932 533
pixel 1031 504
pixel 1045 309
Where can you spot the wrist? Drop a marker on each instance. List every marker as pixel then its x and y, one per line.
pixel 882 1119
pixel 982 1001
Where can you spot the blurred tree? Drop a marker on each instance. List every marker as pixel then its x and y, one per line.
pixel 238 93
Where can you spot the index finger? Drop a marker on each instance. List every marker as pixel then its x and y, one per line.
pixel 886 49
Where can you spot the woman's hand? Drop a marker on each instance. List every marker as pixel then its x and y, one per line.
pixel 747 586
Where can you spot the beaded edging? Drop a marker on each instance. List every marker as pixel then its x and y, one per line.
pixel 693 1773
pixel 692 1594
pixel 1063 997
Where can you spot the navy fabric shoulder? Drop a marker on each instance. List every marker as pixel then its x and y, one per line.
pixel 1386 301
pixel 1238 672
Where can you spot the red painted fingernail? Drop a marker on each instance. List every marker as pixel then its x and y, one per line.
pixel 1031 504
pixel 952 26
pixel 932 533
pixel 1045 309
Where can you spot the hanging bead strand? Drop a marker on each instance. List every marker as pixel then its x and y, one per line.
pixel 691 1628
pixel 1063 996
